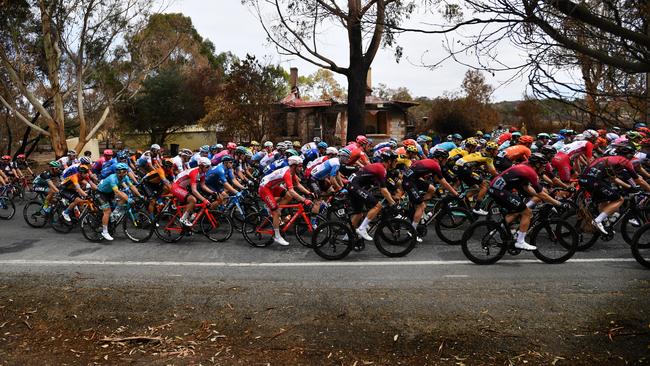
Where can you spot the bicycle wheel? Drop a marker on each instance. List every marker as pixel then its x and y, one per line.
pixel 57 222
pixel 34 215
pixel 452 223
pixel 395 237
pixel 217 227
pixel 7 208
pixel 302 231
pixel 484 242
pixel 91 226
pixel 169 228
pixel 633 221
pixel 137 226
pixel 556 241
pixel 641 246
pixel 332 240
pixel 587 234
pixel 258 229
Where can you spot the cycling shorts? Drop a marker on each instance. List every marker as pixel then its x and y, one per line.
pixel 180 193
pixel 268 195
pixel 562 163
pixel 360 199
pixel 105 199
pixel 415 189
pixel 601 190
pixel 511 201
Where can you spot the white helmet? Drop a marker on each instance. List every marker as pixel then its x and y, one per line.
pixel 155 147
pixel 204 161
pixel 295 160
pixel 268 144
pixel 590 134
pixel 579 137
pixel 331 151
pixel 611 136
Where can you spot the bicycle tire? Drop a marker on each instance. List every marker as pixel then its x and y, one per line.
pixel 138 229
pixel 7 208
pixel 34 215
pixel 301 231
pixel 333 240
pixel 452 223
pixel 628 229
pixel 641 246
pixel 586 239
pixel 91 226
pixel 477 249
pixel 220 233
pixel 395 237
pixel 255 229
pixel 561 241
pixel 168 227
pixel 58 223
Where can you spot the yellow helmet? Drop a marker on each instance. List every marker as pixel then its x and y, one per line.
pixel 471 142
pixel 255 143
pixel 412 148
pixel 403 160
pixel 491 145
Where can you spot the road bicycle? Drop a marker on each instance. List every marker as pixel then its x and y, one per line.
pixel 33 212
pixel 486 242
pixel 134 218
pixel 641 245
pixel 216 226
pixel 7 206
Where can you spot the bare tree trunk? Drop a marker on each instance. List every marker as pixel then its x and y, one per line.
pixel 9 135
pixel 356 105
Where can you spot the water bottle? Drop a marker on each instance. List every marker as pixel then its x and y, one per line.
pixel 115 215
pixel 614 217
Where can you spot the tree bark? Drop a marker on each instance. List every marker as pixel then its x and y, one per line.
pixel 356 104
pixel 9 137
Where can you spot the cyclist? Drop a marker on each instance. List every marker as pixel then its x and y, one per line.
pixel 221 179
pixel 325 177
pixel 20 164
pixel 514 139
pixel 149 159
pixel 182 159
pixel 71 190
pixel 580 150
pixel 108 189
pixel 46 183
pixel 98 165
pixel 418 184
pixel 156 182
pixel 514 154
pixel 192 179
pixel 203 152
pixel 69 159
pixel 360 197
pixel 466 170
pixel 313 154
pixel 601 178
pixel 7 169
pixel 281 183
pixel 524 179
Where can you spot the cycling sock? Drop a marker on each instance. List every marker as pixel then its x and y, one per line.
pixel 184 217
pixel 601 217
pixel 415 225
pixel 364 224
pixel 477 204
pixel 104 228
pixel 277 233
pixel 521 236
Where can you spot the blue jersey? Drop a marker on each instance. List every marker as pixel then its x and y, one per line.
pixel 109 170
pixel 71 170
pixel 380 146
pixel 217 176
pixel 275 166
pixel 327 169
pixel 447 146
pixel 310 155
pixel 107 184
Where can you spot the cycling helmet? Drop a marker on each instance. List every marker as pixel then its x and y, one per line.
pixel 491 145
pixel 6 157
pixel 482 141
pixel 487 136
pixel 526 140
pixel 590 134
pixel 122 155
pixel 295 160
pixel 296 144
pixel 387 155
pixel 72 152
pixel 268 144
pixel 241 150
pixel 121 166
pixel 422 139
pixel 633 135
pixel 226 158
pixel 625 150
pixel 85 160
pixel 186 152
pixel 281 146
pixel 54 164
pixel 547 150
pixel 322 145
pixel 108 152
pixel 457 136
pixel 216 147
pixel 291 152
pixel 537 159
pixel 204 149
pixel 155 147
pixel 331 151
pixel 20 156
pixel 255 143
pixel 479 134
pixel 570 132
pixel 83 169
pixel 231 146
pixel 317 139
pixel 449 137
pixel 645 142
pixel 392 144
pixel 409 142
pixel 515 134
pixel 513 129
pixel 439 154
pixel 543 135
pixel 344 155
pixel 471 142
pixel 403 160
pixel 639 125
pixel 393 139
pixel 204 161
pixel 579 137
pixel 167 163
pixel 412 149
pixel 362 140
pixel 554 136
pixel 611 136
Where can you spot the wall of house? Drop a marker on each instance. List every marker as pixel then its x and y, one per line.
pixel 189 140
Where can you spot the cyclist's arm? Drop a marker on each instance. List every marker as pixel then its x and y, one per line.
pixel 443 182
pixel 230 188
pixel 641 182
pixel 52 186
pixel 543 195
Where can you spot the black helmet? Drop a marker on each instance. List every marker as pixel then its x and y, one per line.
pixel 439 154
pixel 388 155
pixel 548 150
pixel 625 149
pixel 537 159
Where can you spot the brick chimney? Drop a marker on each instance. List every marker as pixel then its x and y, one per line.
pixel 369 82
pixel 293 81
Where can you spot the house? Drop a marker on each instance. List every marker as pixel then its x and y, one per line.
pixel 299 119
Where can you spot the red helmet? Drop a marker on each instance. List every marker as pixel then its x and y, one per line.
pixel 362 140
pixel 645 130
pixel 513 129
pixel 231 146
pixel 21 156
pixel 6 157
pixel 602 132
pixel 645 141
pixel 108 152
pixel 409 142
pixel 526 140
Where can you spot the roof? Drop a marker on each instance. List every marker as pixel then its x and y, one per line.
pixel 294 101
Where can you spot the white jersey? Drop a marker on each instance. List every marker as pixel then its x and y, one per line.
pixel 178 162
pixel 573 147
pixel 308 146
pixel 268 159
pixel 274 178
pixel 316 161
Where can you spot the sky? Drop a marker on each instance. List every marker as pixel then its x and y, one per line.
pixel 233 27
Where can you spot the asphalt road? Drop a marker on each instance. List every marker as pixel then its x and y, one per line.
pixel 565 310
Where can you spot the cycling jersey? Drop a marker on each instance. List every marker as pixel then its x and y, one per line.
pixel 72 169
pixel 516 153
pixel 216 159
pixel 274 185
pixel 312 164
pixel 609 167
pixel 112 183
pixel 327 169
pixel 7 168
pixel 474 160
pixel 517 177
pixel 578 148
pixel 370 175
pixel 278 164
pixel 423 169
pixel 41 182
pixel 179 163
pixel 308 146
pixel 71 182
pixel 447 146
pixel 189 177
pixel 97 166
pixel 156 176
pixel 20 164
pixel 217 176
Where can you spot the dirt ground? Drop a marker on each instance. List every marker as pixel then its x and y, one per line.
pixel 78 320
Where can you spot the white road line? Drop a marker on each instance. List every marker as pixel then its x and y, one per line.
pixel 38 262
pixel 456 276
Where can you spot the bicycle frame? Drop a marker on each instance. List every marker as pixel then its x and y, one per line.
pixel 299 213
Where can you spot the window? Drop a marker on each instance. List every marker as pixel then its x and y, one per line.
pixel 377 122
